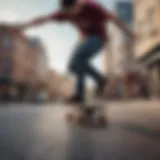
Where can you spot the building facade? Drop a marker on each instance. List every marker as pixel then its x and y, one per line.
pixel 17 63
pixel 147 47
pixel 60 86
pixel 41 59
pixel 67 88
pixel 53 84
pixel 119 57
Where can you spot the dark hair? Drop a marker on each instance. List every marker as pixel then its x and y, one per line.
pixel 67 3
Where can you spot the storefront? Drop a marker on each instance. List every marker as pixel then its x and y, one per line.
pixel 152 63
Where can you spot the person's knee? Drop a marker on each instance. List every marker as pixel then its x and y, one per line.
pixel 75 66
pixel 72 67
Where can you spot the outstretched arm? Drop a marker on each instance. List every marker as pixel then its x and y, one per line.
pixel 123 27
pixel 37 21
pixel 120 24
pixel 58 16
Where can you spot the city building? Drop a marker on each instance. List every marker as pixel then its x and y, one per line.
pixel 59 86
pixel 53 84
pixel 67 86
pixel 17 63
pixel 41 62
pixel 147 46
pixel 115 52
pixel 119 57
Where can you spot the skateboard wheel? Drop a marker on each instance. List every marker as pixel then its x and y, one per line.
pixel 103 120
pixel 81 118
pixel 70 117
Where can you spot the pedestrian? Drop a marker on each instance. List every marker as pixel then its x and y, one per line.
pixel 90 18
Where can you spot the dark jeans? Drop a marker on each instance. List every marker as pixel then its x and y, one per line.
pixel 79 63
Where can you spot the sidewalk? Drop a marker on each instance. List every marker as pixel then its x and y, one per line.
pixel 137 102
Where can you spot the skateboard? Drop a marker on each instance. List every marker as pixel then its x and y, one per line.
pixel 89 115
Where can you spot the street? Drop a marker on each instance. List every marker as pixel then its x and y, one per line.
pixel 38 132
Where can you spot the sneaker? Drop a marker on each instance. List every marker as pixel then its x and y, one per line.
pixel 101 88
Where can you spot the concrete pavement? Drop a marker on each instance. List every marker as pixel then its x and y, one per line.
pixel 33 132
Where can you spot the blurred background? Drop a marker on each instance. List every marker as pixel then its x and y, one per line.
pixel 33 65
pixel 33 68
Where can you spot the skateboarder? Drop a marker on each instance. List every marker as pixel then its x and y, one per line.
pixel 90 18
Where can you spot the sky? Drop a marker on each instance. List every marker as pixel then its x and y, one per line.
pixel 59 39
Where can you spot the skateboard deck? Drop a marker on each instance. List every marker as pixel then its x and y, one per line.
pixel 89 115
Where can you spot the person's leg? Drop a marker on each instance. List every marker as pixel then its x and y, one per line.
pixel 95 74
pixel 80 62
pixel 99 78
pixel 80 76
pixel 90 48
pixel 80 86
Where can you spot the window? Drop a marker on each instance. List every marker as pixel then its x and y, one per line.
pixel 6 64
pixel 150 15
pixel 151 25
pixel 6 42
